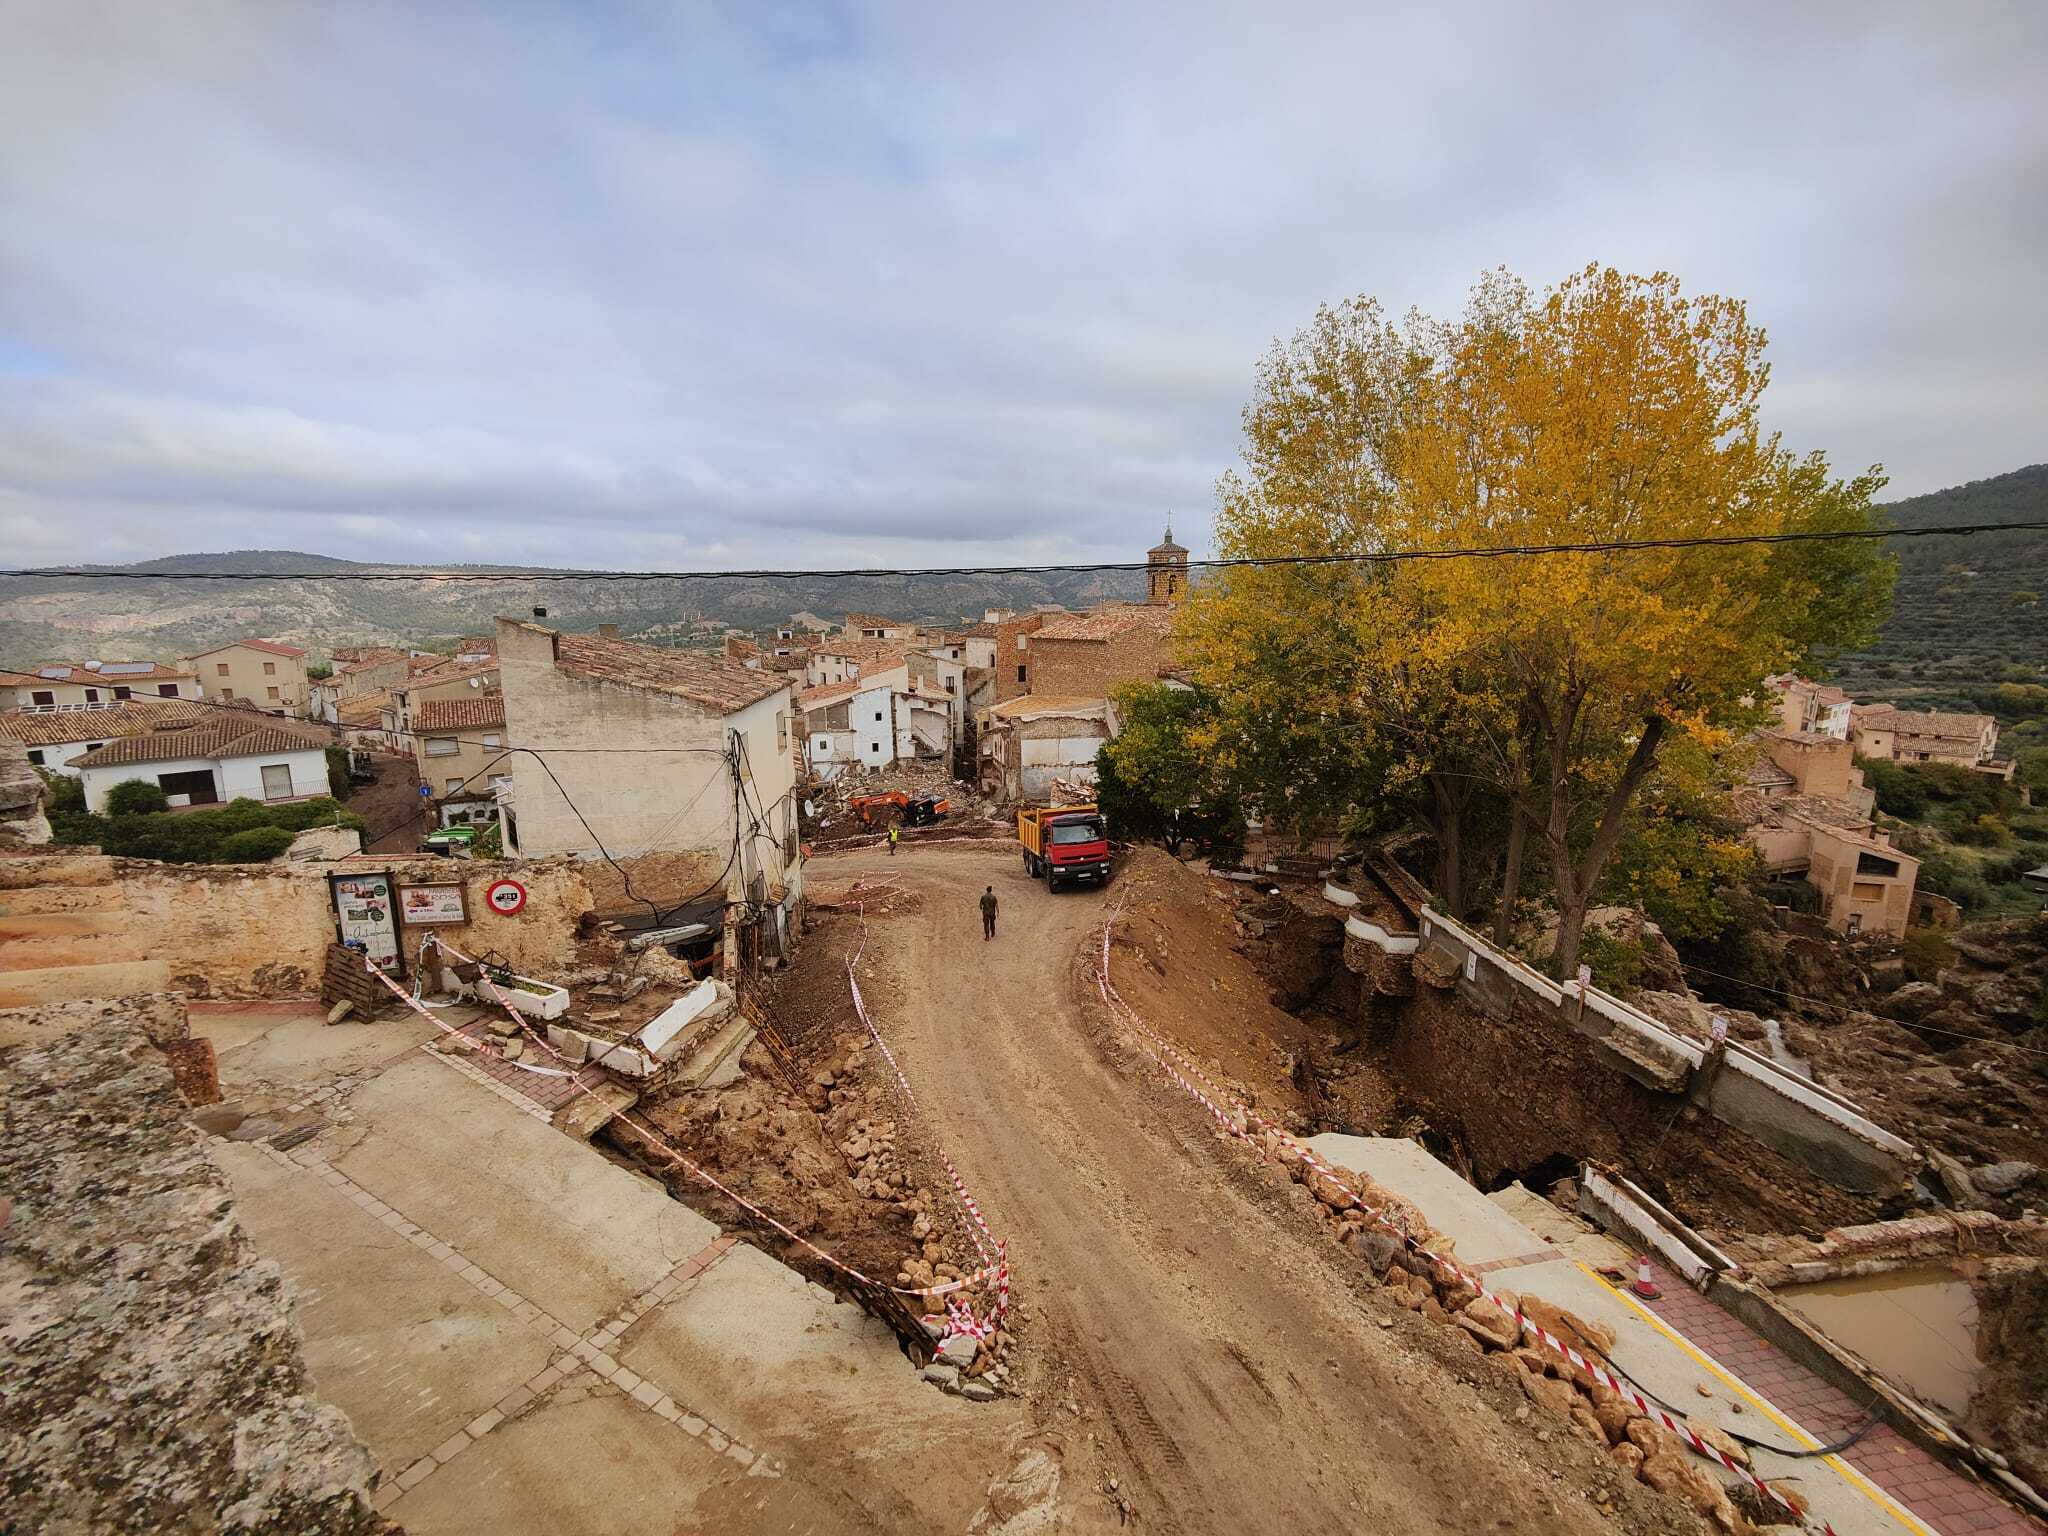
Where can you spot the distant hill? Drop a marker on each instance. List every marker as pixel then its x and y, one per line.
pixel 1968 611
pixel 149 612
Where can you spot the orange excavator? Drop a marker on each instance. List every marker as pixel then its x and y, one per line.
pixel 915 810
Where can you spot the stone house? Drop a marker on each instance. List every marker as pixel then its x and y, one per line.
pixel 1011 659
pixel 1089 655
pixel 265 674
pixel 1024 745
pixel 230 755
pixel 56 739
pixel 873 626
pixel 640 749
pixel 1928 736
pixel 1805 706
pixel 1808 813
pixel 67 685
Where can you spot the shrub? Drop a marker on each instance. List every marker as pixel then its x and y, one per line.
pixel 1899 792
pixel 258 845
pixel 136 797
pixel 1927 953
pixel 337 773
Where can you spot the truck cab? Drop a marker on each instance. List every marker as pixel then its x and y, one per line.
pixel 1064 845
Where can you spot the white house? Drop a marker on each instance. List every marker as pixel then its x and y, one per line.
pixel 827 728
pixel 76 685
pixel 56 739
pixel 231 755
pixel 900 722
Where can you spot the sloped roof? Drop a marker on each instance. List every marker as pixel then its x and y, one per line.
pixel 1033 706
pixel 1166 546
pixel 135 718
pixel 372 656
pixel 874 621
pixel 1108 623
pixel 230 733
pixel 274 647
pixel 858 650
pixel 460 714
pixel 825 695
pixel 117 674
pixel 365 709
pixel 1958 727
pixel 711 681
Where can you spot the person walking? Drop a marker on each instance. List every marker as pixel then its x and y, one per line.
pixel 988 913
pixel 892 842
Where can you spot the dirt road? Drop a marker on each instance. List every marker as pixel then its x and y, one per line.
pixel 1235 1376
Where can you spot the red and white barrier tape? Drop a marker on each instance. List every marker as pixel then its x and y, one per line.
pixel 1118 1007
pixel 978 1229
pixel 652 1139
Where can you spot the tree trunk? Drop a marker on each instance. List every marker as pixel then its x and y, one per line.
pixel 1577 883
pixel 1511 875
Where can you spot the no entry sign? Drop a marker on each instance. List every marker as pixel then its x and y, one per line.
pixel 506 896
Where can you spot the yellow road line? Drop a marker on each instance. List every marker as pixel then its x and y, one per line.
pixel 1848 1474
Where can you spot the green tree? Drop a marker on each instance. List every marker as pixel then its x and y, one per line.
pixel 1154 781
pixel 257 845
pixel 136 797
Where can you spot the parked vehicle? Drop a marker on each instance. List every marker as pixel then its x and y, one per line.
pixel 916 810
pixel 1064 844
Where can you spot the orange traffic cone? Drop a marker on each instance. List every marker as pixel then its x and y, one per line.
pixel 1645 1287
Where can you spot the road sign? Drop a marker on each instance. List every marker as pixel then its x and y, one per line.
pixel 505 896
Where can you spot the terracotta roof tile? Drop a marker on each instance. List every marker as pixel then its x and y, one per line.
pixel 96 673
pixel 136 718
pixel 724 686
pixel 274 647
pixel 1108 623
pixel 460 714
pixel 230 733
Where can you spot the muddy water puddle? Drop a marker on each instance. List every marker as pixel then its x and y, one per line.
pixel 1918 1326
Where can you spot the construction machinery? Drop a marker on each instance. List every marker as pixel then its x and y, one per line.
pixel 1064 844
pixel 915 810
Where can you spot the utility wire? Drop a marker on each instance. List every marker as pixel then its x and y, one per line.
pixel 1377 557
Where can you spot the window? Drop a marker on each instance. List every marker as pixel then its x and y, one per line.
pixel 1020 671
pixel 35 755
pixel 782 729
pixel 270 669
pixel 220 669
pixel 167 690
pixel 42 696
pixel 124 693
pixel 501 781
pixel 442 746
pixel 949 685
pixel 272 692
pixel 878 717
pixel 1023 642
pixel 493 739
pixel 92 695
pixel 455 786
pixel 277 781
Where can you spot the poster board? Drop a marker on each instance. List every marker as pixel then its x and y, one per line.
pixel 433 904
pixel 365 912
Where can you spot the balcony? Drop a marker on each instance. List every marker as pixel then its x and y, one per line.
pixel 66 709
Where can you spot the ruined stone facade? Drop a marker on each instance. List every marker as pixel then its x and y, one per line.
pixel 154 1378
pixel 1089 657
pixel 1013 654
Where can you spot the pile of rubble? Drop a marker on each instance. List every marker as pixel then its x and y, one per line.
pixel 973 1368
pixel 1635 1442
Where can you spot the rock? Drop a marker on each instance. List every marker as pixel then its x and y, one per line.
pixel 633 989
pixel 255 1130
pixel 1329 1191
pixel 1568 1326
pixel 2004 998
pixel 340 1011
pixel 823 1079
pixel 512 1049
pixel 978 1392
pixel 501 1026
pixel 1669 1472
pixel 2002 1178
pixel 1488 1323
pixel 1586 1424
pixel 921 1228
pixel 1955 1179
pixel 1719 1439
pixel 958 1350
pixel 1549 1392
pixel 1651 1437
pixel 1626 1456
pixel 943 1375
pixel 1376 1246
pixel 1912 1002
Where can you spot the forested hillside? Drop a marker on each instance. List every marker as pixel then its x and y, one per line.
pixel 1969 612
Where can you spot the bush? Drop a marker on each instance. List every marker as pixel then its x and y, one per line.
pixel 202 837
pixel 136 797
pixel 1927 953
pixel 337 773
pixel 1899 791
pixel 258 845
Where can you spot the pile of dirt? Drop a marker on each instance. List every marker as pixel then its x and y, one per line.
pixel 2010 1409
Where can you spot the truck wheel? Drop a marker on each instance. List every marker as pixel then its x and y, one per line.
pixel 1052 881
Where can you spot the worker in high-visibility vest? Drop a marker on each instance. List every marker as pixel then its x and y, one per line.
pixel 892 842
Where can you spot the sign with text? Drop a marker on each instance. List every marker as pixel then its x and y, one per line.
pixel 365 914
pixel 424 906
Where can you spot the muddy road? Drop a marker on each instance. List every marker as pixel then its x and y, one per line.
pixel 1234 1372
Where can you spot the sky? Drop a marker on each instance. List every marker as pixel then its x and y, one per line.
pixel 664 285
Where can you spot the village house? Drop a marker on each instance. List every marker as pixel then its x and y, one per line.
pixel 229 755
pixel 61 685
pixel 1012 653
pixel 1807 706
pixel 1027 747
pixel 266 674
pixel 1808 814
pixel 459 745
pixel 1888 733
pixel 872 626
pixel 1090 655
pixel 841 661
pixel 639 749
pixel 56 739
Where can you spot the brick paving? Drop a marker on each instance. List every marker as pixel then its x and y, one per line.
pixel 1942 1498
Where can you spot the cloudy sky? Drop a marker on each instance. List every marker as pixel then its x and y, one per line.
pixel 657 284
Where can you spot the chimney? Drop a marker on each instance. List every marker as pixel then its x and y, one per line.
pixel 607 631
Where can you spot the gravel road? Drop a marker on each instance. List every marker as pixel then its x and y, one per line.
pixel 1234 1373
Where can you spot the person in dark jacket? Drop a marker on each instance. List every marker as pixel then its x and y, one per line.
pixel 988 913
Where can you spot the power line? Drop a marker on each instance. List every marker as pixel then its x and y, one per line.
pixel 1375 557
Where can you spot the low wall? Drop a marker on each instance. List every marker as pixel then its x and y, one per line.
pixel 263 930
pixel 1811 1128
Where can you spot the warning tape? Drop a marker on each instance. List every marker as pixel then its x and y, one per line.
pixel 1230 1123
pixel 650 1137
pixel 978 1229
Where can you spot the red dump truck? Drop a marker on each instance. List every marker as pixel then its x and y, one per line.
pixel 1064 844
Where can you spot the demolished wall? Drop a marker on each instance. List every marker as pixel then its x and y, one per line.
pixel 154 1378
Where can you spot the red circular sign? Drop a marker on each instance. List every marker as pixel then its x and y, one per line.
pixel 506 896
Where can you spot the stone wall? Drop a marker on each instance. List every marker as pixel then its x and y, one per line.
pixel 1013 650
pixel 154 1378
pixel 1092 669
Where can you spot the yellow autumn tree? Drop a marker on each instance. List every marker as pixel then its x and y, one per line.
pixel 1609 409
